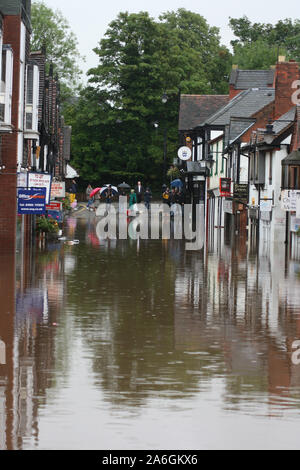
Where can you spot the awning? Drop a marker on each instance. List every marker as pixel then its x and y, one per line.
pixel 71 173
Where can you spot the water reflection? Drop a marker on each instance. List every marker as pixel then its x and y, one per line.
pixel 111 331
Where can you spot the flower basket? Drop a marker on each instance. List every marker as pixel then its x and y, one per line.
pixel 47 225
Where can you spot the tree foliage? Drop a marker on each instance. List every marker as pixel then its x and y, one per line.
pixel 258 45
pixel 50 30
pixel 140 59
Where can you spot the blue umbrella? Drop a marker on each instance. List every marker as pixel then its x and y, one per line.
pixel 177 184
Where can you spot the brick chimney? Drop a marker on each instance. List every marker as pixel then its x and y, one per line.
pixel 286 74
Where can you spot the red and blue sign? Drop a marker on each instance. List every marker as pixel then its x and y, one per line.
pixel 32 201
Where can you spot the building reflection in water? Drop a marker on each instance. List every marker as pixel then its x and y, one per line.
pixel 154 321
pixel 33 301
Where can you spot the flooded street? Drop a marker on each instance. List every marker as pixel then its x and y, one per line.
pixel 144 345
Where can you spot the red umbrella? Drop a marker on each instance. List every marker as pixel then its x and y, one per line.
pixel 95 191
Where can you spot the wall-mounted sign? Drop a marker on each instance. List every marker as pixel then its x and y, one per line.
pixel 295 224
pixel 265 206
pixel 240 192
pixel 32 201
pixel 22 180
pixel 184 153
pixel 289 200
pixel 225 187
pixel 58 190
pixel 40 180
pixel 228 206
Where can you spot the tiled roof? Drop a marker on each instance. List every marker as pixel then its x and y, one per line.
pixel 244 79
pixel 194 109
pixel 237 127
pixel 284 121
pixel 245 104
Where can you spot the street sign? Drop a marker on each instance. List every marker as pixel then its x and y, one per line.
pixel 32 201
pixel 289 199
pixel 58 189
pixel 40 180
pixel 54 206
pixel 184 153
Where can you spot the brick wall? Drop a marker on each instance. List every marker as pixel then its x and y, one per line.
pixel 8 178
pixel 286 74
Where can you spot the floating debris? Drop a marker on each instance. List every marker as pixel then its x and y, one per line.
pixel 72 242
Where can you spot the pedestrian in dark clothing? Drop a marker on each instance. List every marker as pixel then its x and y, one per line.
pixel 139 190
pixel 73 189
pixel 147 198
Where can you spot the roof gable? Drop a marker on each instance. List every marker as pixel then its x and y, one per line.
pixel 194 109
pixel 244 79
pixel 245 104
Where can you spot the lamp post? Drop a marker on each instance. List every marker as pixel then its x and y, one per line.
pixel 164 100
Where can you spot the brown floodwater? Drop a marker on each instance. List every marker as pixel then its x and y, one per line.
pixel 144 345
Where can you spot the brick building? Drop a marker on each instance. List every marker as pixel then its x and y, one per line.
pixel 15 47
pixel 32 131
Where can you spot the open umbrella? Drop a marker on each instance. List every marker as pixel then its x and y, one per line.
pixel 124 186
pixel 114 190
pixel 177 184
pixel 95 191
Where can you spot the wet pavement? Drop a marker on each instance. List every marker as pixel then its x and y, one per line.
pixel 144 345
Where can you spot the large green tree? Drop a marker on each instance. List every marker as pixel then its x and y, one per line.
pixel 51 31
pixel 140 59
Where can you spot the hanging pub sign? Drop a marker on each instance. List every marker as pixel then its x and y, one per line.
pixel 225 187
pixel 40 180
pixel 32 201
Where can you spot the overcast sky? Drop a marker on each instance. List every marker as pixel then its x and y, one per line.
pixel 89 19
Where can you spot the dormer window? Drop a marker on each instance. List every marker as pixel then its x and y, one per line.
pixel 6 87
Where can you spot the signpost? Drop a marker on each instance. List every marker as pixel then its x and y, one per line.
pixel 40 180
pixel 32 201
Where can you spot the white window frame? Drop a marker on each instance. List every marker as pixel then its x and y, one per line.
pixel 7 88
pixel 33 107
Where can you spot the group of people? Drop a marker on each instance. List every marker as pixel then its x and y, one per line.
pixel 173 196
pixel 138 195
